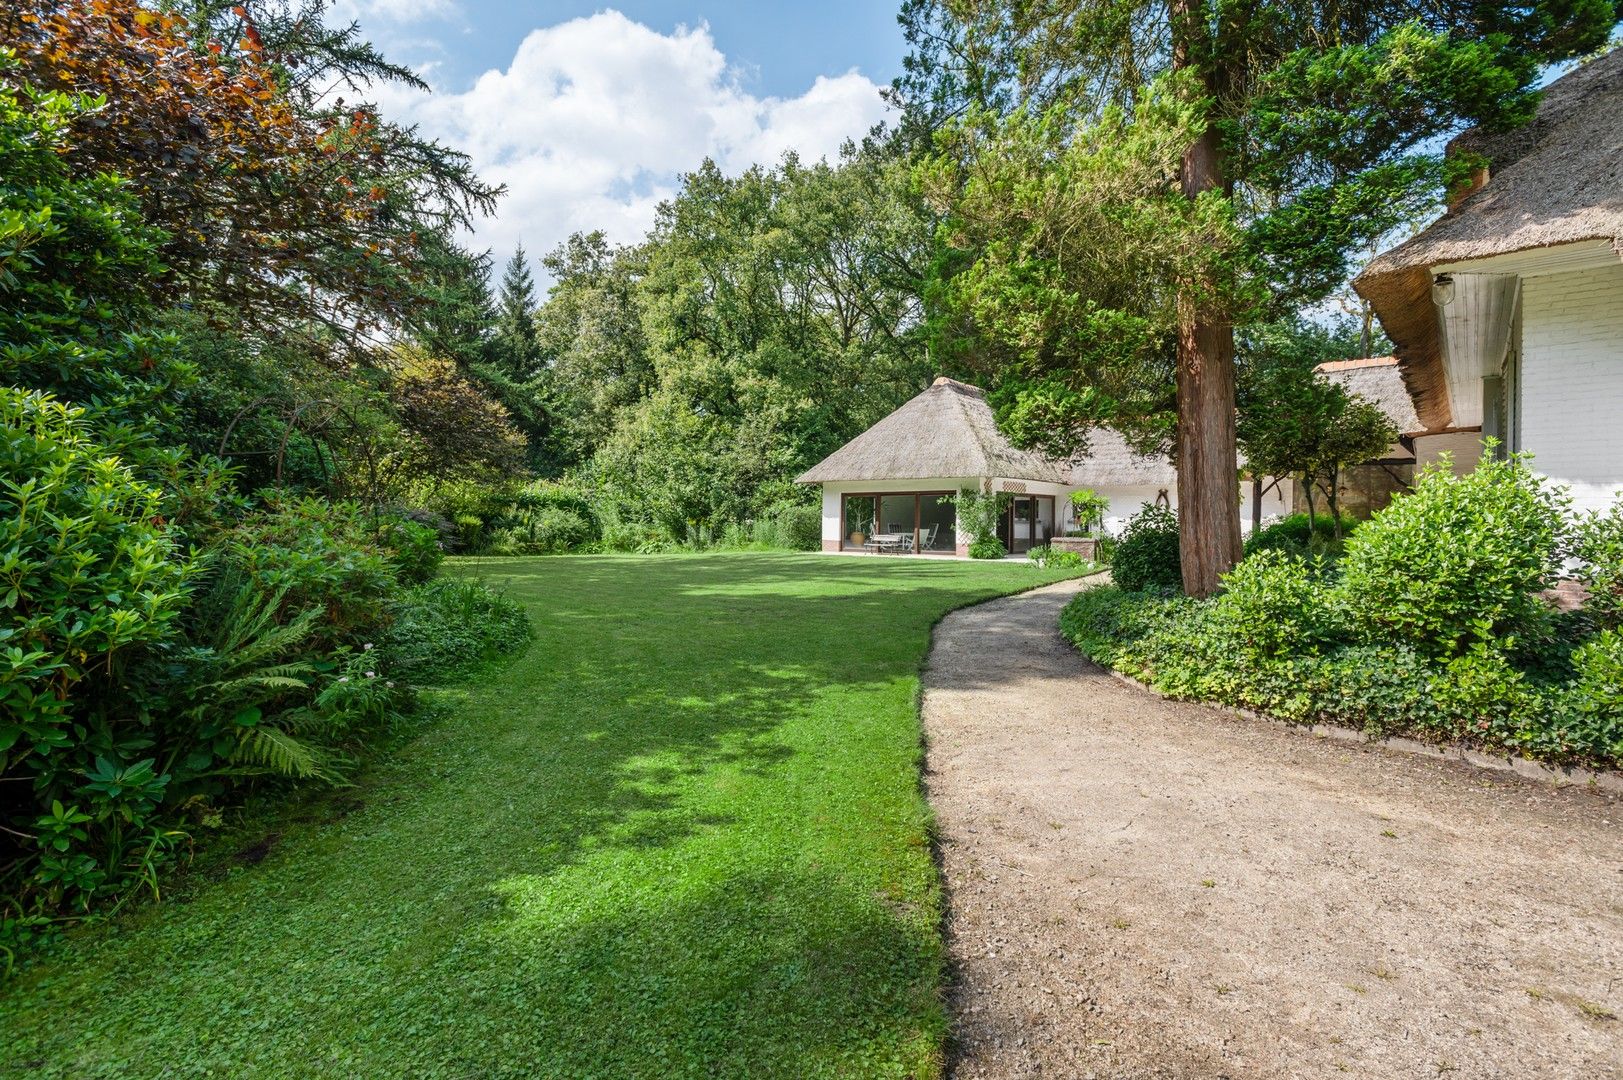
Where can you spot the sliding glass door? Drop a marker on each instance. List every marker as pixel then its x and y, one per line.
pixel 900 522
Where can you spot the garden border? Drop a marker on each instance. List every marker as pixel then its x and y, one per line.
pixel 1527 768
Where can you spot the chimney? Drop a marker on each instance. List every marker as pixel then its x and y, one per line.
pixel 1472 184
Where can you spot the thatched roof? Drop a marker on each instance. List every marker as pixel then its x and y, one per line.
pixel 1558 180
pixel 1110 462
pixel 1376 379
pixel 947 431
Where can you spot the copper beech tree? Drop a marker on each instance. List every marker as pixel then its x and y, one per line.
pixel 287 201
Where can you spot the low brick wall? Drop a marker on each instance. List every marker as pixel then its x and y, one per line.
pixel 1085 546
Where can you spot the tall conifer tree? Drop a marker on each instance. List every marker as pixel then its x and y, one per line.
pixel 1308 131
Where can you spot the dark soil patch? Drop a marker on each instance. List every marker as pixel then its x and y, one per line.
pixel 254 854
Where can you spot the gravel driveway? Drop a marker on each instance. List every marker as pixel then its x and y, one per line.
pixel 1145 888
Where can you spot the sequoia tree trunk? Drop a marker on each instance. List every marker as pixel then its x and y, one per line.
pixel 1208 480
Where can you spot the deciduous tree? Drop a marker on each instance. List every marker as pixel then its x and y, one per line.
pixel 287 200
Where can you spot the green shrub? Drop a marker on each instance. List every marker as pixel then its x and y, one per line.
pixel 470 532
pixel 800 528
pixel 446 628
pixel 638 538
pixel 1431 625
pixel 255 694
pixel 1457 560
pixel 413 549
pixel 89 576
pixel 316 554
pixel 1598 549
pixel 978 515
pixel 1047 557
pixel 1379 689
pixel 1089 507
pixel 986 547
pixel 1479 697
pixel 1293 533
pixel 542 518
pixel 545 495
pixel 445 530
pixel 1146 555
pixel 1592 706
pixel 1104 620
pixel 788 527
pixel 546 530
pixel 1274 605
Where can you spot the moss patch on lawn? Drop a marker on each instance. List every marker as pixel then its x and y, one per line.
pixel 681 836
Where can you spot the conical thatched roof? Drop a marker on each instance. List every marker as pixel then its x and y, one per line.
pixel 1376 379
pixel 947 431
pixel 1558 180
pixel 1110 462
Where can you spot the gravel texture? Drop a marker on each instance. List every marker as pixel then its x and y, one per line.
pixel 1146 888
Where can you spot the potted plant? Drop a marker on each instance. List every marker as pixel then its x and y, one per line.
pixel 858 528
pixel 1088 507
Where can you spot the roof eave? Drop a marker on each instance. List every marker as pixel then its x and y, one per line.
pixel 1401 299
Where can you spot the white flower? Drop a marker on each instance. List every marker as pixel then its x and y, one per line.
pixel 371 674
pixel 390 685
pixel 343 678
pixel 367 647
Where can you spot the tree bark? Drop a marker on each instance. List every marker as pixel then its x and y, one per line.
pixel 1208 480
pixel 1256 505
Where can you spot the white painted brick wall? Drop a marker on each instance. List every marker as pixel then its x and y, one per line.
pixel 1572 380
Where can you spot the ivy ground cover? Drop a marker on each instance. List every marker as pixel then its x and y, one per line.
pixel 681 836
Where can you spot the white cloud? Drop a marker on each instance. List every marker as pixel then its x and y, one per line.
pixel 594 120
pixel 389 11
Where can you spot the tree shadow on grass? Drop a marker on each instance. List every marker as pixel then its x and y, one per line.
pixel 772 972
pixel 684 829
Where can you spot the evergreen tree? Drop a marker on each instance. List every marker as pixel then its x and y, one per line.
pixel 511 366
pixel 517 349
pixel 455 317
pixel 1294 135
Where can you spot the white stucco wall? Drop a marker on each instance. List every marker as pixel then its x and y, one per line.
pixel 1572 380
pixel 1127 501
pixel 1279 501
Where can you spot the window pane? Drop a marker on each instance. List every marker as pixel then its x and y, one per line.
pixel 937 525
pixel 896 515
pixel 1022 522
pixel 859 519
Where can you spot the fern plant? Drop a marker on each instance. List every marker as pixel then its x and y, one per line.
pixel 251 708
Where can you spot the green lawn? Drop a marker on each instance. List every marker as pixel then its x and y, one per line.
pixel 682 836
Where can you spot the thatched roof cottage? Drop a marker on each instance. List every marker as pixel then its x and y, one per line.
pixel 885 489
pixel 1507 312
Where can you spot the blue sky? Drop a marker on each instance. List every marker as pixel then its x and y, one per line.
pixel 590 113
pixel 779 48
